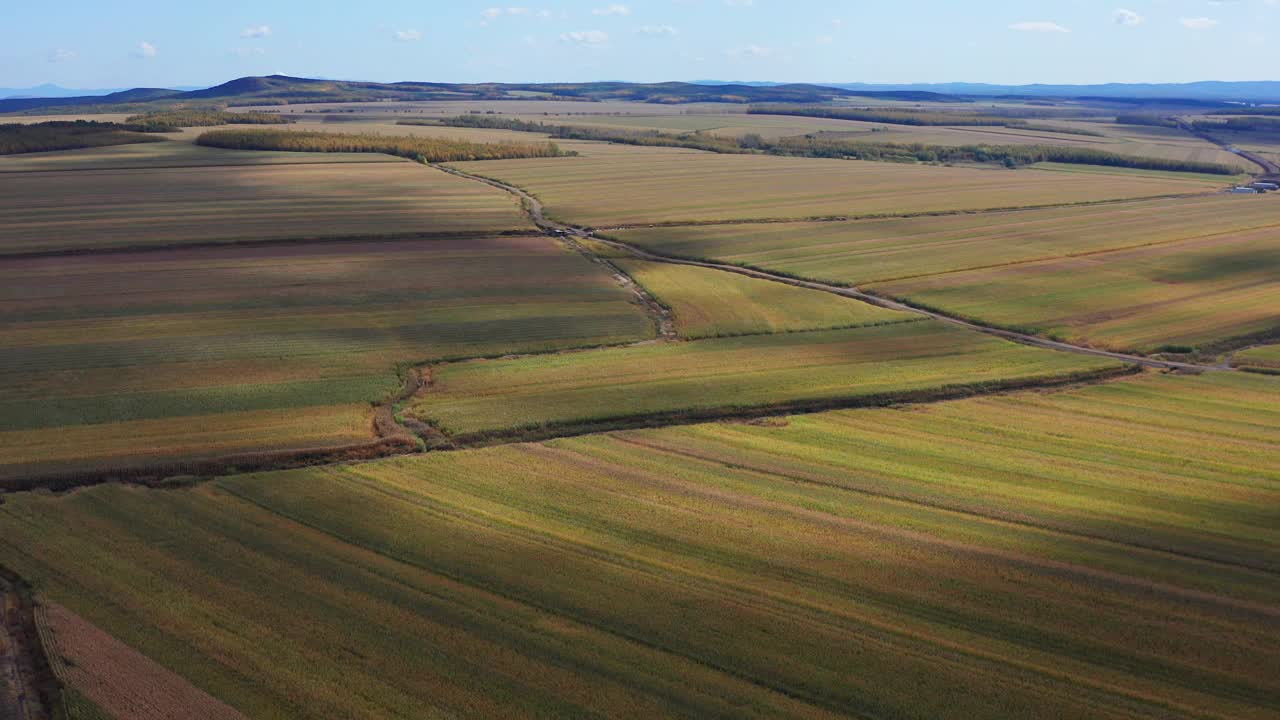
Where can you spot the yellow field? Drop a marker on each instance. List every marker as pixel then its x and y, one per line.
pixel 946 561
pixel 866 251
pixel 1196 293
pixel 711 303
pixel 698 379
pixel 637 185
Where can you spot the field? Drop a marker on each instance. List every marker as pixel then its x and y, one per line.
pixel 710 303
pixel 947 561
pixel 173 206
pixel 117 678
pixel 1200 293
pixel 1266 357
pixel 208 351
pixel 877 250
pixel 685 379
pixel 648 185
pixel 178 153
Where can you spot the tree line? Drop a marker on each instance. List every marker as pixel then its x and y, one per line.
pixel 818 146
pixel 18 138
pixel 420 149
pixel 175 120
pixel 888 115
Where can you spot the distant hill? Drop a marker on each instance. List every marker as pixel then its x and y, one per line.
pixel 282 89
pixel 1259 91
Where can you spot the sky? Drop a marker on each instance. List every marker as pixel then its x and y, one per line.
pixel 132 43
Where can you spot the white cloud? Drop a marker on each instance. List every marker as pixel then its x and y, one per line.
pixel 824 40
pixel 62 55
pixel 1200 23
pixel 1041 26
pixel 407 35
pixel 614 9
pixel 585 37
pixel 739 3
pixel 836 22
pixel 750 51
pixel 256 31
pixel 489 14
pixel 146 50
pixel 656 30
pixel 1127 17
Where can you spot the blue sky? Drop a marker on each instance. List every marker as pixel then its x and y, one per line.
pixel 127 43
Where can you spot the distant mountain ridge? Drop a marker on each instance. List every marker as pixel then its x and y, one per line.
pixel 283 89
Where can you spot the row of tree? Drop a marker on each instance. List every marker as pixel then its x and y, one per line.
pixel 174 120
pixel 18 138
pixel 822 146
pixel 892 116
pixel 421 149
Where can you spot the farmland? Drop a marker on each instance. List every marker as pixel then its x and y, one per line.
pixel 877 250
pixel 709 303
pixel 649 185
pixel 173 206
pixel 942 561
pixel 1201 293
pixel 331 434
pixel 708 376
pixel 1266 357
pixel 201 351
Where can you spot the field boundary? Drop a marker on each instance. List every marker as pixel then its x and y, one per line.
pixel 30 661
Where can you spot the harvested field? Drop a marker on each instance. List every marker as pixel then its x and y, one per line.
pixel 47 211
pixel 218 350
pixel 645 185
pixel 708 376
pixel 710 303
pixel 944 561
pixel 878 250
pixel 118 679
pixel 1194 293
pixel 171 155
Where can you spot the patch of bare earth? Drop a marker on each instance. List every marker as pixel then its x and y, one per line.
pixel 118 679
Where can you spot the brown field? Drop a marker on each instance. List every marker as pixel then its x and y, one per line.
pixel 644 185
pixel 204 352
pixel 118 679
pixel 46 211
pixel 177 154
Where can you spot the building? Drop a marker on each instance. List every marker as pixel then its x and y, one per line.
pixel 1243 191
pixel 1267 186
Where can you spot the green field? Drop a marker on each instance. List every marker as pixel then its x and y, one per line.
pixel 877 250
pixel 137 355
pixel 639 185
pixel 713 375
pixel 1198 293
pixel 711 303
pixel 1266 357
pixel 946 561
pixel 171 206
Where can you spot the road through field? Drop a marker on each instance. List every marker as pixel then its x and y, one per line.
pixel 534 209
